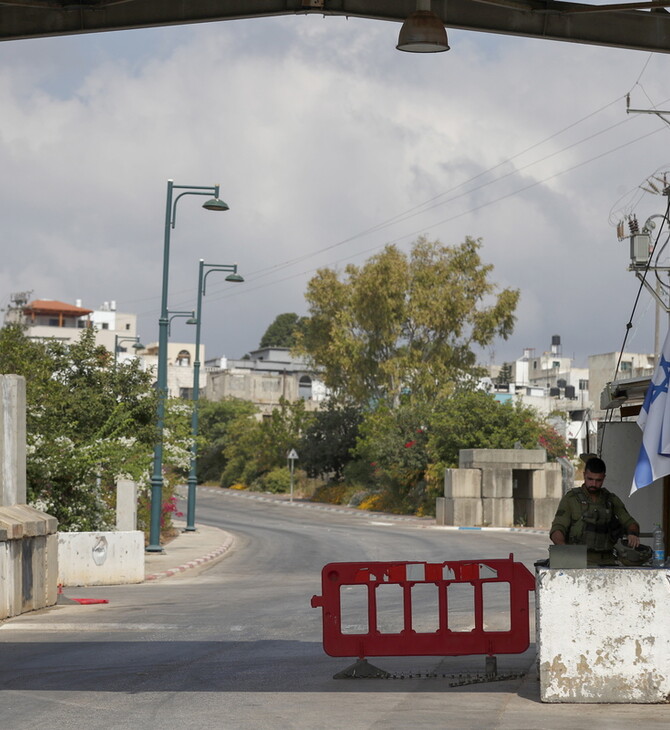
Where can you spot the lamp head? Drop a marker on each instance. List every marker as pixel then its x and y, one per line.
pixel 236 278
pixel 423 32
pixel 215 204
pixel 191 320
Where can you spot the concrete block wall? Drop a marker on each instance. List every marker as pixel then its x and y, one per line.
pixel 482 492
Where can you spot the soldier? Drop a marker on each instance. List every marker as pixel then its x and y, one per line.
pixel 591 515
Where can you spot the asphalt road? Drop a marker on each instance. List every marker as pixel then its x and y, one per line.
pixel 236 644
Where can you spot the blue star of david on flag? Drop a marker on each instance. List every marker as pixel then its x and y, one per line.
pixel 653 461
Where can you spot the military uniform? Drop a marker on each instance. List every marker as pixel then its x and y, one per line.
pixel 594 524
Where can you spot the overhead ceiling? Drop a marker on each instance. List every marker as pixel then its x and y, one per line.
pixel 637 25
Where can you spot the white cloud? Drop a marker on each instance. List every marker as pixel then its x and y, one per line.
pixel 318 130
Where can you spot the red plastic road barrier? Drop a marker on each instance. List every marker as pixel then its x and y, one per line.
pixel 514 581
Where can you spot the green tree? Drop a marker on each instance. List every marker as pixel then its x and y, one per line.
pixel 326 444
pixel 404 323
pixel 283 331
pixel 215 419
pixel 254 448
pixel 472 419
pixel 505 375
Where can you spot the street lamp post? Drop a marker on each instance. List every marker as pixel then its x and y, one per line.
pixel 163 323
pixel 233 276
pixel 118 339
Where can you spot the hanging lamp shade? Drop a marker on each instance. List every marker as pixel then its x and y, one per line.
pixel 215 204
pixel 423 31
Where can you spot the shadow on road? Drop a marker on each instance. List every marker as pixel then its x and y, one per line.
pixel 230 666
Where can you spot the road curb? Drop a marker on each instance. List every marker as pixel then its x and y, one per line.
pixel 423 522
pixel 217 552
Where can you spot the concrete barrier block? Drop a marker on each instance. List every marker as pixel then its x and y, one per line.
pixel 100 558
pixel 554 480
pixel 498 512
pixel 464 511
pixel 541 512
pixel 462 483
pixel 594 646
pixel 497 483
pixel 513 458
pixel 126 505
pixel 14 577
pixel 51 570
pixel 20 520
pixel 11 524
pixel 440 511
pixel 12 440
pixel 538 484
pixel 5 581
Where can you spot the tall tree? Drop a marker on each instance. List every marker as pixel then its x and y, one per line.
pixel 405 323
pixel 282 332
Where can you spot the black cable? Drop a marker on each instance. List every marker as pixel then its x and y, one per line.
pixel 629 324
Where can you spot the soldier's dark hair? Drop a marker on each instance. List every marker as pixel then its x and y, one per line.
pixel 595 465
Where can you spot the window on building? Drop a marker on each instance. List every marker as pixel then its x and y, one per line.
pixel 583 384
pixel 53 322
pixel 184 359
pixel 105 325
pixel 556 364
pixel 305 387
pixel 626 366
pixel 186 393
pixel 128 325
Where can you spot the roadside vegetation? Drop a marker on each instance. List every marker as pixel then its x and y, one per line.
pixel 394 340
pixel 89 422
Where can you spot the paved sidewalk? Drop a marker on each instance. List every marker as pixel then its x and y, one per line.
pixel 187 550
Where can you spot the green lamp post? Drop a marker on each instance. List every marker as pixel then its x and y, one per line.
pixel 204 270
pixel 118 339
pixel 163 324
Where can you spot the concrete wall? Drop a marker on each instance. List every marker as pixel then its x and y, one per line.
pixel 100 558
pixel 603 635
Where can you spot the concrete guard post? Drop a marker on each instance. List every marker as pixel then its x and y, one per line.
pixel 28 542
pixel 603 635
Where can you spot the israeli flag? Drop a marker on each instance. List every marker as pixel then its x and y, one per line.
pixel 654 420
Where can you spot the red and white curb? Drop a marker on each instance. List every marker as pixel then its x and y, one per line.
pixel 193 563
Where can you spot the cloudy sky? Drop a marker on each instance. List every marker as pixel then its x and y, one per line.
pixel 328 144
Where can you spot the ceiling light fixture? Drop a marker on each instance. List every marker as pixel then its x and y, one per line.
pixel 423 31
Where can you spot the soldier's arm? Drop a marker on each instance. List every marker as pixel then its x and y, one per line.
pixel 628 523
pixel 561 524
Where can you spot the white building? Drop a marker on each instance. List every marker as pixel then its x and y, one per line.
pixel 52 319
